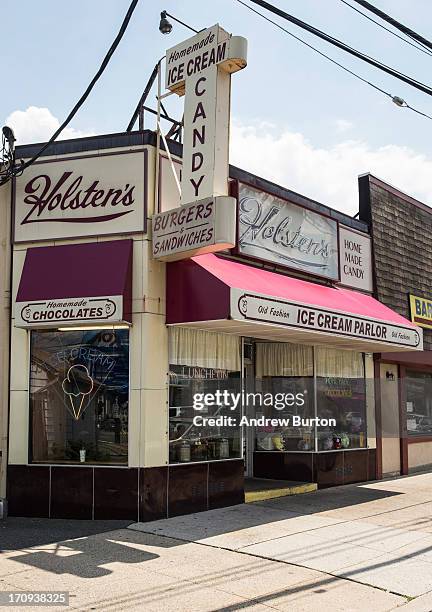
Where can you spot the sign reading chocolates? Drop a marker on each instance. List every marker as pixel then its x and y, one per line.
pixel 255 307
pixel 279 231
pixel 71 198
pixel 194 229
pixel 69 311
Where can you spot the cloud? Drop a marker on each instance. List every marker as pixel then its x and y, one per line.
pixel 38 125
pixel 328 175
pixel 343 125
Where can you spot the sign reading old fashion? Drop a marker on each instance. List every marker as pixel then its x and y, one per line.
pixel 70 198
pixel 276 230
pixel 255 307
pixel 69 311
pixel 355 259
pixel 201 227
pixel 421 311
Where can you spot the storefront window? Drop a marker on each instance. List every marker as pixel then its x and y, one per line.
pixel 284 380
pixel 203 366
pixel 79 393
pixel 341 398
pixel 419 403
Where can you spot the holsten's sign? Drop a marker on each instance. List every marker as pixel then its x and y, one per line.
pixel 279 231
pixel 69 311
pixel 355 259
pixel 202 227
pixel 255 307
pixel 95 195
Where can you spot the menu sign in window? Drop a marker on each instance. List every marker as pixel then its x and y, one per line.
pixel 279 231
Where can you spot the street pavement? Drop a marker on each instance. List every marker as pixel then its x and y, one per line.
pixel 359 547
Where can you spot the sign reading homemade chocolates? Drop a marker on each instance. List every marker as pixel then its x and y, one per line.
pixel 70 198
pixel 194 229
pixel 69 311
pixel 279 231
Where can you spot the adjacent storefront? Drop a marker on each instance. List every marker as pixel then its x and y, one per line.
pixel 401 228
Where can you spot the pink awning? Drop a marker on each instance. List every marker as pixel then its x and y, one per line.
pixel 211 292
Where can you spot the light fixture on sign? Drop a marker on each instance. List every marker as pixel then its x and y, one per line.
pixel 77 385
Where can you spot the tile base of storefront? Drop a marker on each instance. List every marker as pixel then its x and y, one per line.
pixel 324 469
pixel 136 494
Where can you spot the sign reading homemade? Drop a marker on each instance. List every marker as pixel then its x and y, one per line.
pixel 201 227
pixel 69 311
pixel 253 307
pixel 277 230
pixel 421 311
pixel 70 198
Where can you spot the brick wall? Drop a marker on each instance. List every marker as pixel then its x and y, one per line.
pixel 402 245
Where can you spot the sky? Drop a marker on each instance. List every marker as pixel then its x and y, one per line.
pixel 296 119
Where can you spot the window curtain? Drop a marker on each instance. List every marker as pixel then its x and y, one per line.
pixel 195 347
pixel 283 359
pixel 334 363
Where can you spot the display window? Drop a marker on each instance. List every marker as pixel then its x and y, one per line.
pixel 418 403
pixel 203 426
pixel 318 398
pixel 79 396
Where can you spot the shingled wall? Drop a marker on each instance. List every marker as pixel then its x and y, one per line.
pixel 401 229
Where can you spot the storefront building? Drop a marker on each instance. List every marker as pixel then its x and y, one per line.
pixel 401 234
pixel 5 229
pixel 115 345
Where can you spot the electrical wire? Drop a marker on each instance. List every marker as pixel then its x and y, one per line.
pixel 345 47
pixel 380 25
pixel 397 24
pixel 330 59
pixel 402 103
pixel 16 170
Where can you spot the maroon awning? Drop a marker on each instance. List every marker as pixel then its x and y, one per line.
pixel 79 283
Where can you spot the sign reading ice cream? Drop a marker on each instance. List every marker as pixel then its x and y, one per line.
pixel 200 68
pixel 74 197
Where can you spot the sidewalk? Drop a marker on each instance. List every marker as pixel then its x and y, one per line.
pixel 362 547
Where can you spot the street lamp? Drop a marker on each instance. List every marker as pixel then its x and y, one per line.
pixel 165 26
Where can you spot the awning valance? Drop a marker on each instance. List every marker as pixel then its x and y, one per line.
pixel 76 284
pixel 211 292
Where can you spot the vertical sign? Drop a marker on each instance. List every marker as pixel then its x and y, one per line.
pixel 200 68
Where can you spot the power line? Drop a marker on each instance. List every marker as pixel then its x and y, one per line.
pixel 399 101
pixel 380 25
pixel 330 59
pixel 15 170
pixel 397 24
pixel 345 47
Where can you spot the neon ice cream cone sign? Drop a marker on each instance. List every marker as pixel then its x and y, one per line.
pixel 77 385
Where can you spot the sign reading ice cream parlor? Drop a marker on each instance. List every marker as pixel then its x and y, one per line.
pixel 279 231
